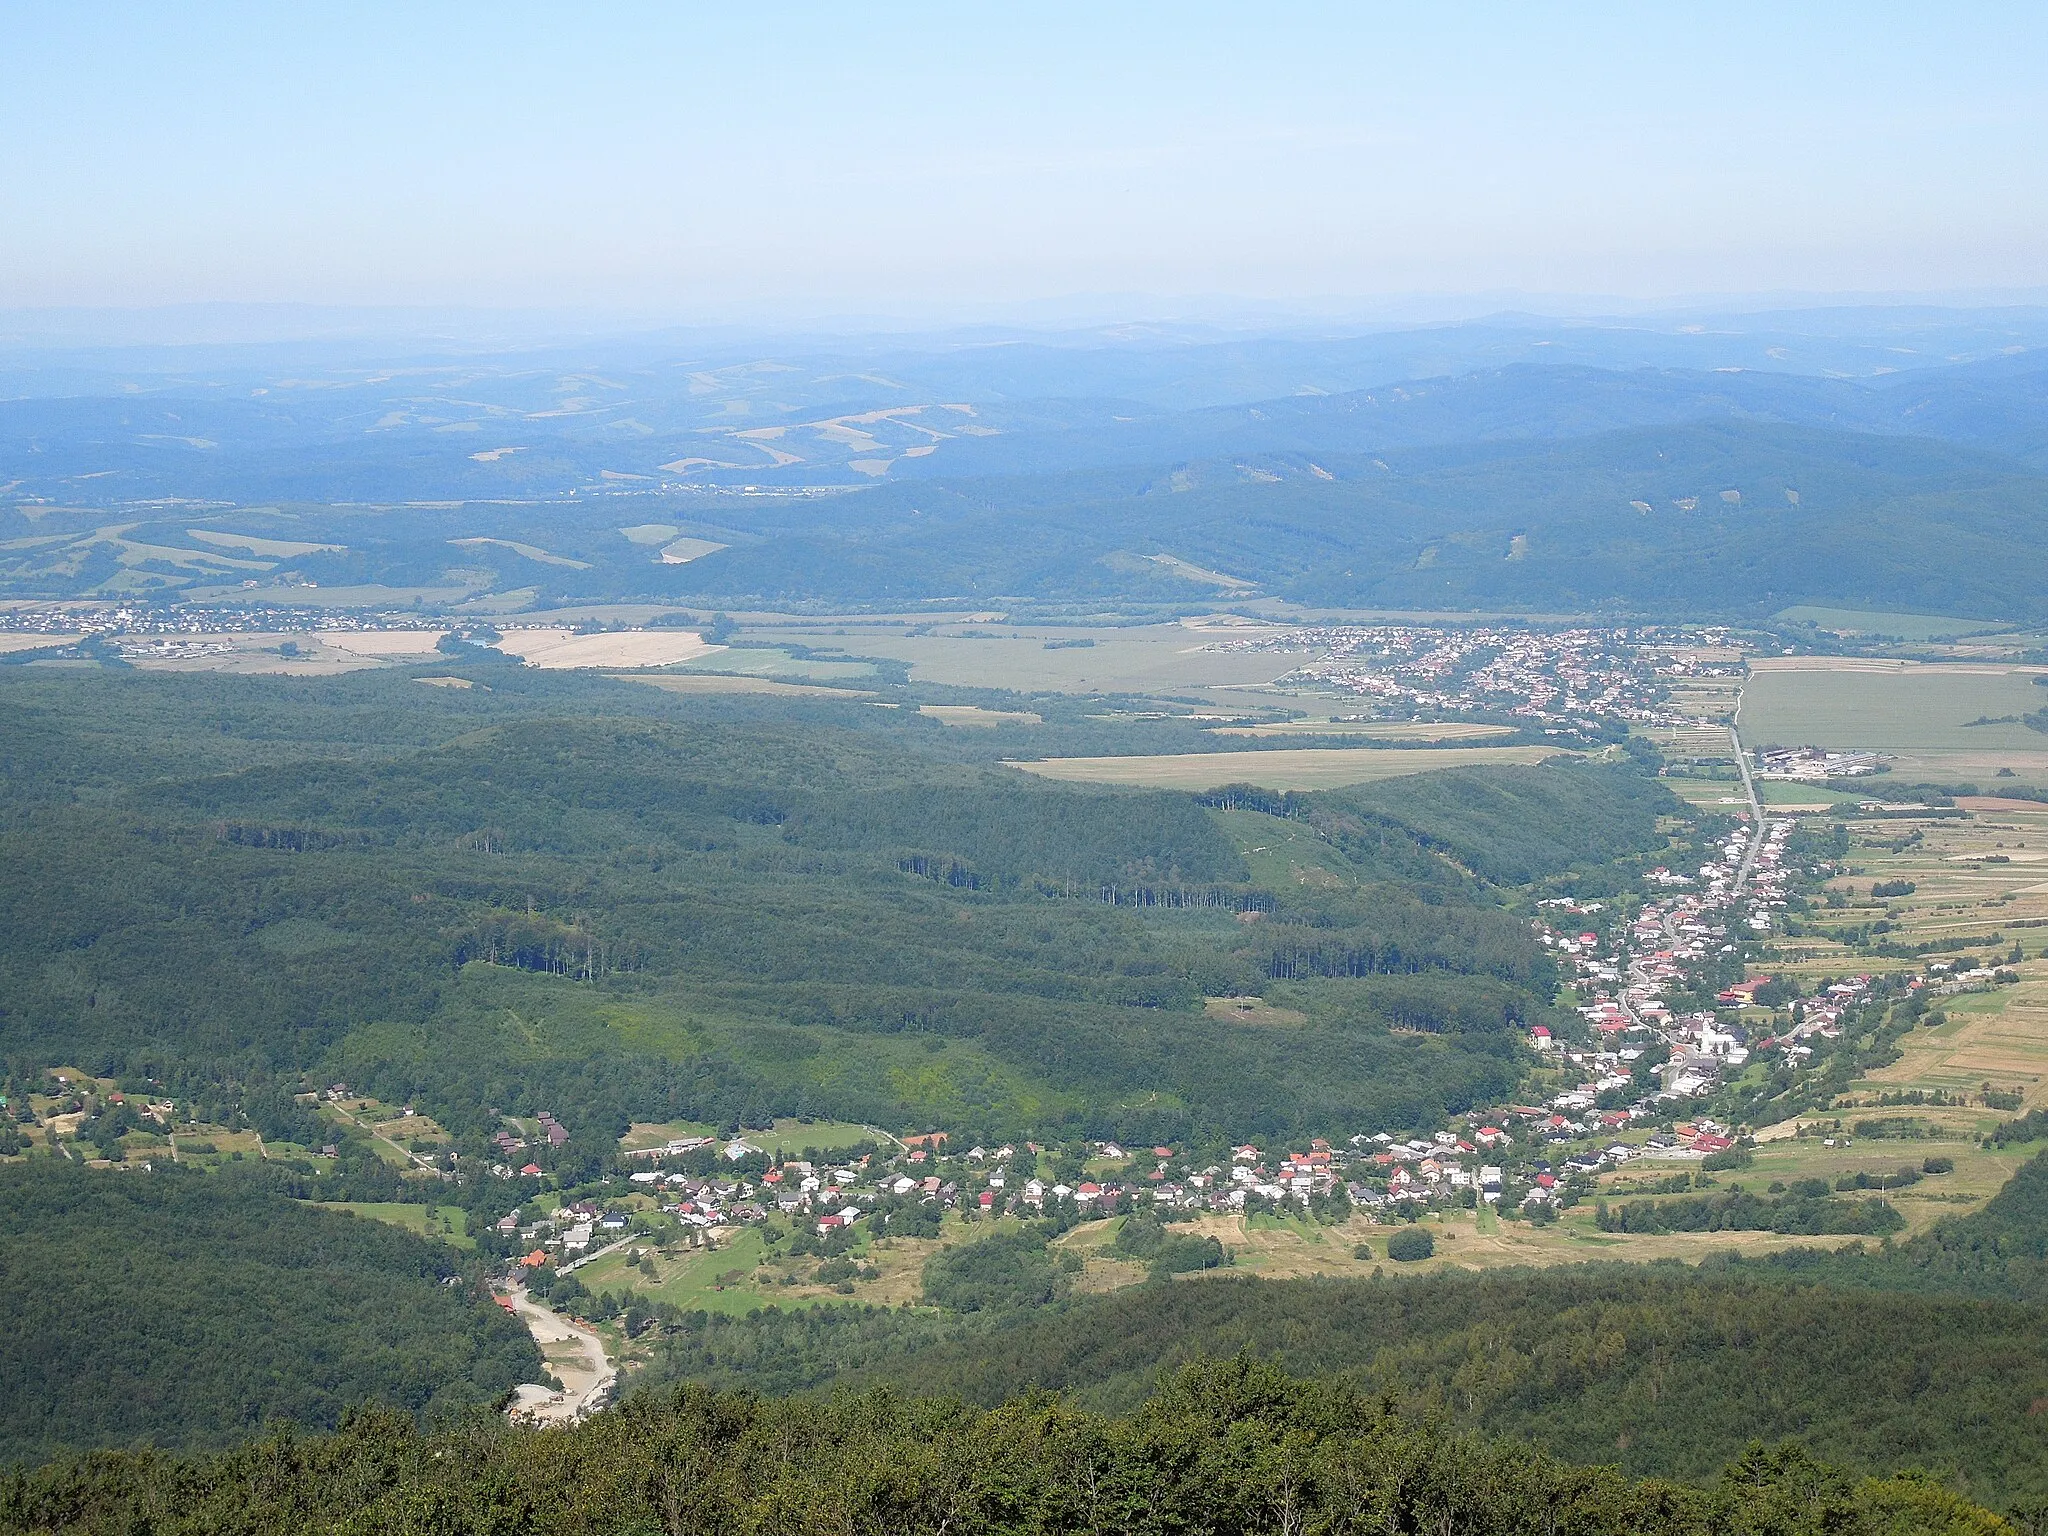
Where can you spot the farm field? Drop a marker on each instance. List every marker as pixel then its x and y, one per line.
pixel 1171 658
pixel 1894 706
pixel 2000 1038
pixel 775 663
pixel 1293 1248
pixel 562 649
pixel 1978 884
pixel 1283 768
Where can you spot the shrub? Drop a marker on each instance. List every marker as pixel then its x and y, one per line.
pixel 1410 1244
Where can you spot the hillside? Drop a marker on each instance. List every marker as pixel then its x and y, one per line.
pixel 680 914
pixel 174 1309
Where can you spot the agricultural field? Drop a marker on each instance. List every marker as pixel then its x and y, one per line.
pixel 1998 1038
pixel 1282 768
pixel 1924 709
pixel 775 663
pixel 562 649
pixel 1157 658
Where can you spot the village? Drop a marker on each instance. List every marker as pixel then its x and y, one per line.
pixel 1555 680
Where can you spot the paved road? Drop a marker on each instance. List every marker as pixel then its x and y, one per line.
pixel 1756 815
pixel 587 1376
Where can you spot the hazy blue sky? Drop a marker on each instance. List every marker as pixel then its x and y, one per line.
pixel 705 160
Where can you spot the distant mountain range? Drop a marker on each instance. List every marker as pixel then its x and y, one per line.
pixel 1724 468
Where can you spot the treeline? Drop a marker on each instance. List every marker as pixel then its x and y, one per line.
pixel 1799 1213
pixel 181 1309
pixel 1229 1446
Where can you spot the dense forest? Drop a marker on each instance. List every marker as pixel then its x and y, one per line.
pixel 643 908
pixel 192 1310
pixel 1227 1447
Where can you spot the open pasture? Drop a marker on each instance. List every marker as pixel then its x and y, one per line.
pixel 1282 768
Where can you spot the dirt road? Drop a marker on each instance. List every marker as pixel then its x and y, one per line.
pixel 574 1354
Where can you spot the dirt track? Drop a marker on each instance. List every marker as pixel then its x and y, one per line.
pixel 573 1353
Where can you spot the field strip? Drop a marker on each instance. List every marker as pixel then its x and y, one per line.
pixel 1283 769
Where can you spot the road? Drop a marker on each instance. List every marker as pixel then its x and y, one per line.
pixel 1756 815
pixel 574 1354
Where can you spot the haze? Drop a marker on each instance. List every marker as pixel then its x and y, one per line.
pixel 741 163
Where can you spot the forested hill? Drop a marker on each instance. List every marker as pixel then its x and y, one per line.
pixel 1999 1251
pixel 180 1309
pixel 1655 1368
pixel 664 909
pixel 1230 1447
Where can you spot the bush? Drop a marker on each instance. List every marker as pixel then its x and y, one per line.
pixel 1937 1165
pixel 1410 1244
pixel 1362 1251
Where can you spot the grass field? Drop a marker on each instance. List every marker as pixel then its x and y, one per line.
pixel 1385 730
pixel 971 715
pixel 744 1273
pixel 1907 626
pixel 774 663
pixel 449 1223
pixel 1283 768
pixel 1152 658
pixel 710 682
pixel 788 1136
pixel 1889 706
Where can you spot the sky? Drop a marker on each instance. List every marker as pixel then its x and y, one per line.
pixel 729 162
